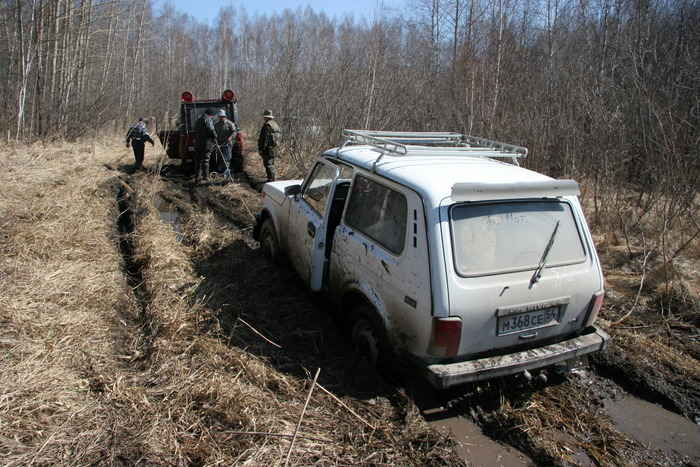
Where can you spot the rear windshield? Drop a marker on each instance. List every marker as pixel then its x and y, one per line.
pixel 506 237
pixel 189 113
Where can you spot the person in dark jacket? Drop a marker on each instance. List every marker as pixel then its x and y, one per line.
pixel 225 133
pixel 267 143
pixel 204 138
pixel 137 137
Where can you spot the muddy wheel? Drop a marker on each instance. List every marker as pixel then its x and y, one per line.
pixel 269 246
pixel 366 336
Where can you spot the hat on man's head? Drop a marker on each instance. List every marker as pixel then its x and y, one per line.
pixel 209 112
pixel 141 119
pixel 221 113
pixel 268 114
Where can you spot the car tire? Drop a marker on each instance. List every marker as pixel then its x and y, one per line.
pixel 269 246
pixel 367 337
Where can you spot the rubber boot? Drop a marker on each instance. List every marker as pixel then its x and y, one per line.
pixel 270 172
pixel 197 173
pixel 205 172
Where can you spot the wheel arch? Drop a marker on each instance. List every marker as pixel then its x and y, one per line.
pixel 270 245
pixel 349 303
pixel 349 300
pixel 359 296
pixel 259 219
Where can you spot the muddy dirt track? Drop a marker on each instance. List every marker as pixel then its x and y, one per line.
pixel 625 417
pixel 150 326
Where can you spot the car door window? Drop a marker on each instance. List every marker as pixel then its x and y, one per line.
pixel 318 188
pixel 345 172
pixel 379 213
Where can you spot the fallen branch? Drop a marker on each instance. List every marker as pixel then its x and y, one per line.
pixel 301 417
pixel 125 185
pixel 688 242
pixel 345 406
pixel 258 333
pixel 639 290
pixel 277 435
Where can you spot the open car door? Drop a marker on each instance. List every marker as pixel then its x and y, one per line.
pixel 308 223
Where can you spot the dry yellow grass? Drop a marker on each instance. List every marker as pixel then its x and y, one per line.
pixel 120 359
pixel 63 299
pixel 139 356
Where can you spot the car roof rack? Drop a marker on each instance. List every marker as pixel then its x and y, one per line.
pixel 398 143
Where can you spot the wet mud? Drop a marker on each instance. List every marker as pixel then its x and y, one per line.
pixel 670 388
pixel 655 427
pixel 170 216
pixel 488 422
pixel 476 448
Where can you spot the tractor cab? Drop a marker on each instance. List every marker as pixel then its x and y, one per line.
pixel 179 138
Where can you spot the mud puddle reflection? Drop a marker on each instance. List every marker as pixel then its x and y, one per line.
pixel 478 449
pixel 170 216
pixel 654 426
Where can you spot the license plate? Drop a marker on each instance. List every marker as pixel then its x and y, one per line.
pixel 526 321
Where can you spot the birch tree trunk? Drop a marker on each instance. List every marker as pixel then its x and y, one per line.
pixel 27 52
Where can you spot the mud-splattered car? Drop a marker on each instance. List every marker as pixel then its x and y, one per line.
pixel 440 257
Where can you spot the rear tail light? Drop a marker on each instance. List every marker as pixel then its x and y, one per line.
pixel 594 307
pixel 228 95
pixel 187 97
pixel 446 335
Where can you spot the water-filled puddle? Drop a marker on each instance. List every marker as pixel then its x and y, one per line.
pixel 655 426
pixel 477 448
pixel 169 216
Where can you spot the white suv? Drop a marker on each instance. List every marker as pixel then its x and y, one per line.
pixel 440 257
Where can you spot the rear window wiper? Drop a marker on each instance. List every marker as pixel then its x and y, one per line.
pixel 538 272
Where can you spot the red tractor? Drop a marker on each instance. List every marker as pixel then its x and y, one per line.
pixel 179 143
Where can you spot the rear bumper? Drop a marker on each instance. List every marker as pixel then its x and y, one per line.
pixel 444 376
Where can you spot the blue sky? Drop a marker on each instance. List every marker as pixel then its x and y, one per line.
pixel 207 10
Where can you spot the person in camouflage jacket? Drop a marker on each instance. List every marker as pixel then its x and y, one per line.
pixel 225 133
pixel 268 142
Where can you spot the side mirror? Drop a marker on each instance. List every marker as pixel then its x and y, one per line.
pixel 292 190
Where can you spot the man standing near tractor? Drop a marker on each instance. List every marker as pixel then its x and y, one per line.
pixel 267 143
pixel 137 137
pixel 225 133
pixel 204 138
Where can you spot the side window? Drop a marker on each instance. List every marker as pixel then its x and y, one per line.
pixel 345 172
pixel 379 213
pixel 318 188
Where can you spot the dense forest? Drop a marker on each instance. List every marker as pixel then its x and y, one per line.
pixel 603 90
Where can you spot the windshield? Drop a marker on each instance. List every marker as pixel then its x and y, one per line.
pixel 506 237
